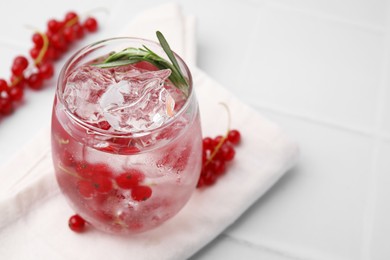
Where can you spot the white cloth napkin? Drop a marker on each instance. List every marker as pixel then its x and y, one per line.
pixel 34 213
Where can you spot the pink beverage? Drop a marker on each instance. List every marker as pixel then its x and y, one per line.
pixel 126 141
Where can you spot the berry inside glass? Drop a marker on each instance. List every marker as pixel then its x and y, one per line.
pixel 126 138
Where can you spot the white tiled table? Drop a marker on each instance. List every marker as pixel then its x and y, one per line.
pixel 319 68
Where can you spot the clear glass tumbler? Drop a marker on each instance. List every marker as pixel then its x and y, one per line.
pixel 120 178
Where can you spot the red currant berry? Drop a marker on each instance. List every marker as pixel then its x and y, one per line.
pixel 53 25
pixel 218 167
pixel 21 61
pixel 90 24
pixel 208 143
pixel 70 16
pixel 19 65
pixel 16 70
pixel 78 30
pixel 200 183
pixel 35 81
pixel 58 42
pixel 217 140
pixel 209 178
pixel 101 183
pixel 34 52
pixel 5 104
pixel 83 169
pixel 37 40
pixel 69 34
pixel 104 125
pixel 16 93
pixel 101 169
pixel 218 155
pixel 234 136
pixel 49 34
pixel 52 53
pixel 86 189
pixel 3 85
pixel 227 152
pixel 130 179
pixel 141 193
pixel 76 223
pixel 46 70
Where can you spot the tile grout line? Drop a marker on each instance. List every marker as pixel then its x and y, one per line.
pixel 372 196
pixel 307 118
pixel 267 248
pixel 260 247
pixel 370 209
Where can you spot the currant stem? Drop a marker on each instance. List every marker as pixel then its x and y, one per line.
pixel 70 22
pixel 43 51
pixel 71 173
pixel 223 139
pixel 16 81
pixel 228 117
pixel 216 149
pixel 63 141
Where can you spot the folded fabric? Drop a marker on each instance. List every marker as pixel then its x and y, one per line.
pixel 34 212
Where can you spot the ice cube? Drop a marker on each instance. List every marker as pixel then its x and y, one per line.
pixel 83 89
pixel 137 102
pixel 126 71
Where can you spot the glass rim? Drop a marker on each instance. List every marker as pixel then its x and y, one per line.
pixel 101 132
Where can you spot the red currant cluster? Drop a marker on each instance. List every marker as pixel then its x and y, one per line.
pixel 216 153
pixel 96 184
pixel 48 47
pixel 94 180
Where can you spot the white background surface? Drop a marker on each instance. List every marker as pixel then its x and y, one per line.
pixel 320 69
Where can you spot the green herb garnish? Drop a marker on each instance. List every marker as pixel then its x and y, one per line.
pixel 133 55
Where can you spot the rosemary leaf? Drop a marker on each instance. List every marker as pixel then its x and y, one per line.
pixel 133 55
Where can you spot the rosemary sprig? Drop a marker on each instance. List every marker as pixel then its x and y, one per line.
pixel 133 55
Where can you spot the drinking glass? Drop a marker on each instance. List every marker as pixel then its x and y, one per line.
pixel 124 179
